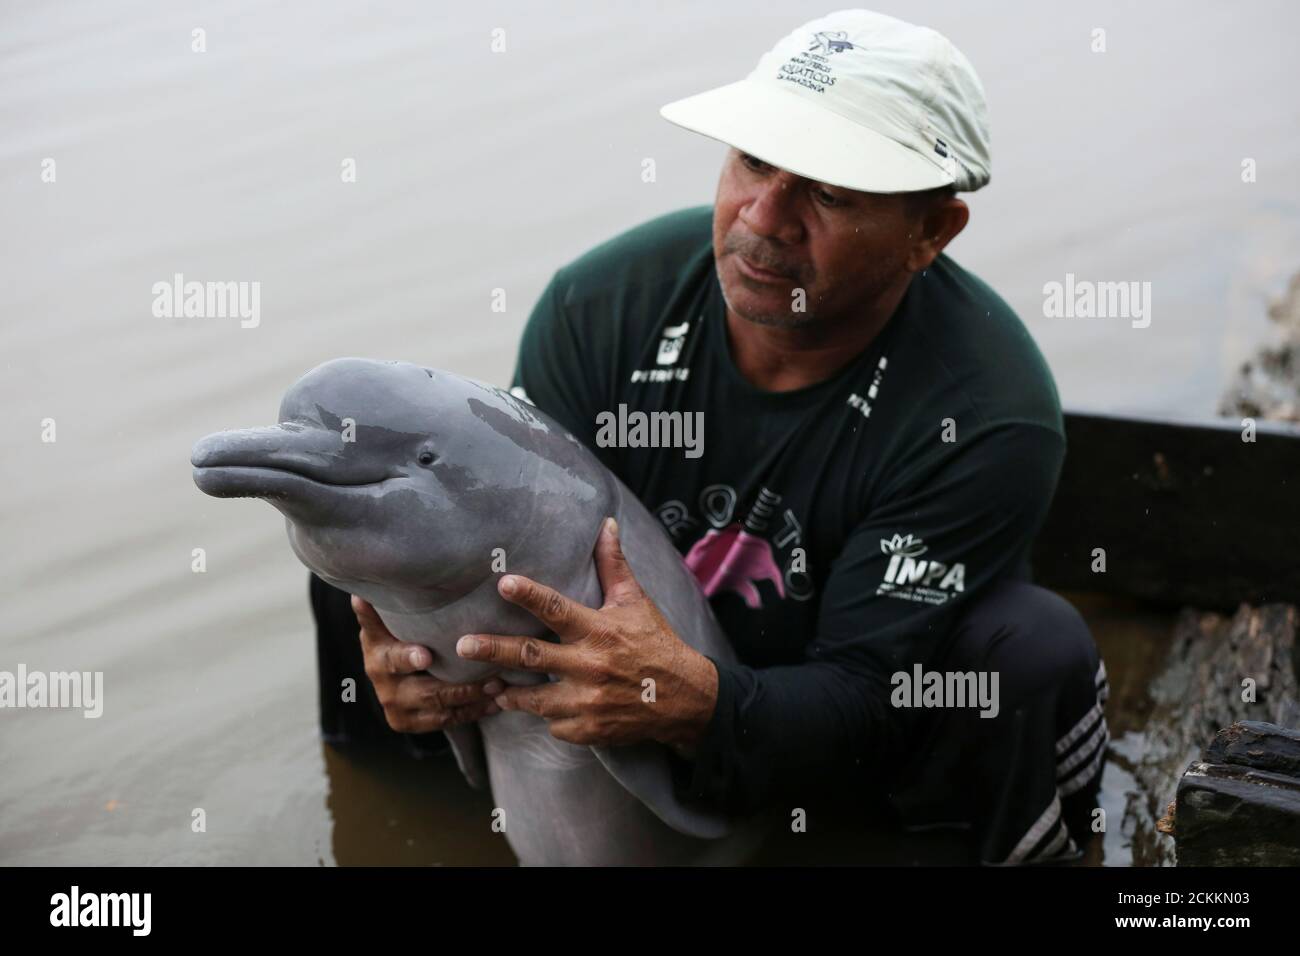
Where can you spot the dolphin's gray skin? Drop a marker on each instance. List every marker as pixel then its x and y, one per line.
pixel 441 470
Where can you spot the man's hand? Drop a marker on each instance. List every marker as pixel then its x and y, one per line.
pixel 604 661
pixel 414 702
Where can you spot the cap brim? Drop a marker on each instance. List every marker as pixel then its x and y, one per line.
pixel 789 131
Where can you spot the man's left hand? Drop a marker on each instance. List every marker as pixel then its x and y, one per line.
pixel 624 674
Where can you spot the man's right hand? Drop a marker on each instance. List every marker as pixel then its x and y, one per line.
pixel 414 702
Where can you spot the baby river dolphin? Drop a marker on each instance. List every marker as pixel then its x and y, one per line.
pixel 398 483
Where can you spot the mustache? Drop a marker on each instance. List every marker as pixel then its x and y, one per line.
pixel 760 257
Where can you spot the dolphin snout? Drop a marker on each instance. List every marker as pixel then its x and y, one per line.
pixel 287 447
pixel 264 462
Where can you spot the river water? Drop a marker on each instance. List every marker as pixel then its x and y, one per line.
pixel 474 171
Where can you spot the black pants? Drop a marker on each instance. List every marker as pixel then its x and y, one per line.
pixel 1026 780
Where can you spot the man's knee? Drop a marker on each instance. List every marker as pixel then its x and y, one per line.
pixel 1031 636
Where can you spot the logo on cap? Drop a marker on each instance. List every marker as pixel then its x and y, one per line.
pixel 813 69
pixel 831 41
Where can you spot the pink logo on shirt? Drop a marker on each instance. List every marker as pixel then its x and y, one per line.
pixel 734 560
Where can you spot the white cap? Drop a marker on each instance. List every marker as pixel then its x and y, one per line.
pixel 858 100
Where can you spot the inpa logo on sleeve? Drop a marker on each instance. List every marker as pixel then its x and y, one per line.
pixel 923 581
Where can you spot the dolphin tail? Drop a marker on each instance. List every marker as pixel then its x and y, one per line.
pixel 643 770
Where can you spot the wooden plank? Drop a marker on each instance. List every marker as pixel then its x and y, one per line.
pixel 1240 805
pixel 1186 511
pixel 1197 692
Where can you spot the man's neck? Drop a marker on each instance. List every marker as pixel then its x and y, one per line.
pixel 778 359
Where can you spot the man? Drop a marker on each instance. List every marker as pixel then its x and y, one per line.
pixel 881 442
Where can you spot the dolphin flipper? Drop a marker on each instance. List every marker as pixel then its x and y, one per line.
pixel 467 744
pixel 643 771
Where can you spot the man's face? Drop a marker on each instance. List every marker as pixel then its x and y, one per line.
pixel 842 247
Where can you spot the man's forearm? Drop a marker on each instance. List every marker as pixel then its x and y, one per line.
pixel 775 721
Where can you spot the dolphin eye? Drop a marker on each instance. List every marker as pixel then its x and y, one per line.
pixel 426 458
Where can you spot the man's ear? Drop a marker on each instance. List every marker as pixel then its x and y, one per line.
pixel 940 224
